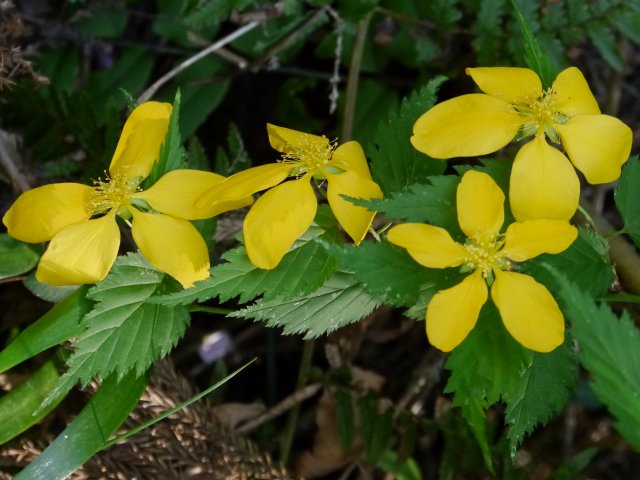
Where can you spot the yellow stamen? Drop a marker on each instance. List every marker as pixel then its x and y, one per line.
pixel 485 256
pixel 111 194
pixel 309 157
pixel 541 114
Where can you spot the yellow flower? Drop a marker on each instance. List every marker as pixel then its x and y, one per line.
pixel 543 182
pixel 80 220
pixel 528 310
pixel 285 212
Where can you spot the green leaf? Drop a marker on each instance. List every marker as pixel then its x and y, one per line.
pixel 302 270
pixel 626 22
pixel 16 257
pixel 104 22
pixel 541 393
pixel 339 302
pixel 485 367
pixel 534 57
pixel 49 293
pixel 345 419
pixel 123 332
pixel 17 406
pixel 60 323
pixel 433 203
pixel 586 262
pixel 407 469
pixel 213 12
pixel 610 351
pixel 604 41
pixel 389 273
pixel 89 431
pixel 627 197
pixel 171 152
pixel 395 163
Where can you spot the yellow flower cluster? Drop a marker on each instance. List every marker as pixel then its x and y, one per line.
pixel 80 221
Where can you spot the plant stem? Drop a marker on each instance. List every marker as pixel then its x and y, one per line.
pixel 353 78
pixel 292 420
pixel 203 308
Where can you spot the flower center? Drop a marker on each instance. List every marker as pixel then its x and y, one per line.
pixel 485 256
pixel 309 157
pixel 112 194
pixel 540 115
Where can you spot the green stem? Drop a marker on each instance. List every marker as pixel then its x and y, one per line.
pixel 587 217
pixel 353 78
pixel 622 298
pixel 292 420
pixel 202 308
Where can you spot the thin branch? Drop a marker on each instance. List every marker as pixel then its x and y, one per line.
pixel 151 91
pixel 10 161
pixel 287 404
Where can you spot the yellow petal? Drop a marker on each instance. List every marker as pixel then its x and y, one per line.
pixel 525 240
pixel 38 214
pixel 286 140
pixel 245 183
pixel 598 146
pixel 430 246
pixel 480 206
pixel 511 84
pixel 452 313
pixel 543 183
pixel 355 220
pixel 528 310
pixel 572 94
pixel 466 126
pixel 350 156
pixel 176 192
pixel 277 219
pixel 81 253
pixel 139 145
pixel 172 245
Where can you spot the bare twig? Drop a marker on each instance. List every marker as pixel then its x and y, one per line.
pixel 10 161
pixel 287 404
pixel 151 91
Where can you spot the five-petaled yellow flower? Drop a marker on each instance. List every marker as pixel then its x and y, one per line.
pixel 80 220
pixel 286 211
pixel 543 182
pixel 528 310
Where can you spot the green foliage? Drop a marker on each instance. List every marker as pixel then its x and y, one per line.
pixel 235 158
pixel 395 163
pixel 376 427
pixel 18 405
pixel 60 323
pixel 433 203
pixel 390 274
pixel 172 156
pixel 123 332
pixel 610 351
pixel 103 22
pixel 212 12
pixel 339 302
pixel 89 431
pixel 626 196
pixel 534 56
pixel 542 391
pixel 16 257
pixel 303 269
pixel 586 262
pixel 485 368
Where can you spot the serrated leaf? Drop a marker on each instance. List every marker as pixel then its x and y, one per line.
pixel 302 270
pixel 389 273
pixel 171 152
pixel 485 367
pixel 542 391
pixel 626 22
pixel 339 302
pixel 604 41
pixel 16 257
pixel 124 332
pixel 433 203
pixel 535 58
pixel 395 164
pixel 627 197
pixel 89 431
pixel 586 262
pixel 610 351
pixel 60 323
